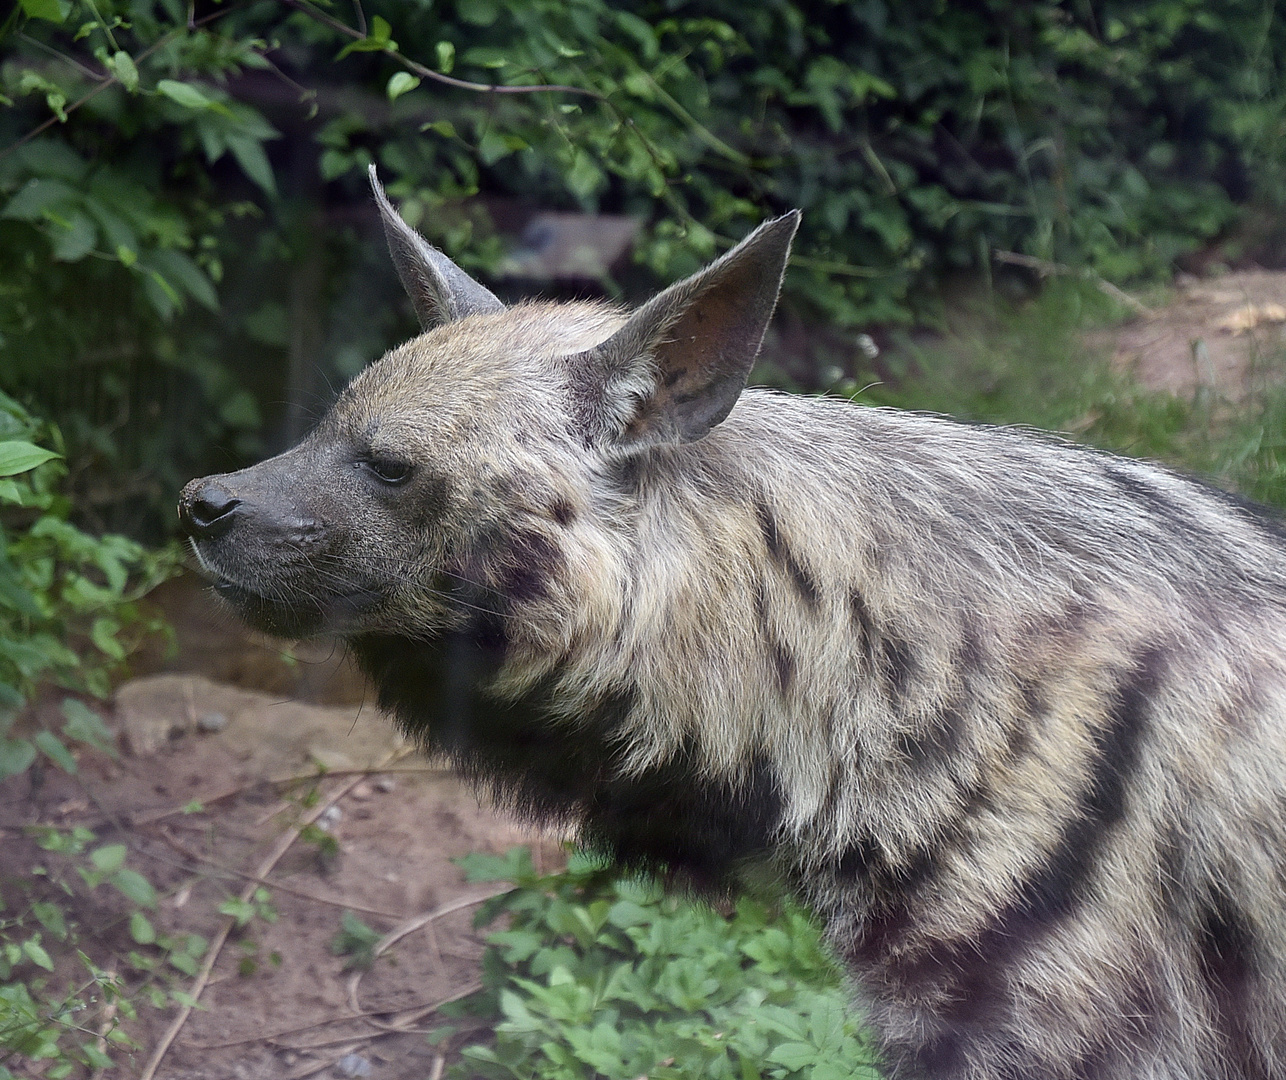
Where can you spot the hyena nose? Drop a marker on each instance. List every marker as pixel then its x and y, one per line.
pixel 206 510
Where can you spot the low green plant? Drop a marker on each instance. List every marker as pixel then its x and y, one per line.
pixel 69 618
pixel 355 941
pixel 595 975
pixel 69 601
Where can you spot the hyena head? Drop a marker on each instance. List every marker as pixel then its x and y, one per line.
pixel 441 479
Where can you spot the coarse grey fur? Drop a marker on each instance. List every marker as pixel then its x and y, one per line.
pixel 1010 714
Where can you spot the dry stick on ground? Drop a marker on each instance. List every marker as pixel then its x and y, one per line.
pixel 232 871
pixel 417 1011
pixel 279 849
pixel 1052 269
pixel 106 1024
pixel 403 1025
pixel 410 927
pixel 150 817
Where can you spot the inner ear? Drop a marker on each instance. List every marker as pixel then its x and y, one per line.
pixel 678 365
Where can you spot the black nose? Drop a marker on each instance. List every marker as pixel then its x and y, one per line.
pixel 206 510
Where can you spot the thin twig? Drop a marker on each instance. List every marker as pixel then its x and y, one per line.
pixel 397 1027
pixel 231 871
pixel 279 849
pixel 1045 268
pixel 273 1036
pixel 89 73
pixel 304 8
pixel 105 1025
pixel 112 80
pixel 410 927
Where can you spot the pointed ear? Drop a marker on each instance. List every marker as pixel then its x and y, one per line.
pixel 439 290
pixel 677 367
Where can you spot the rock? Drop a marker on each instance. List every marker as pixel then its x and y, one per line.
pixel 353 1065
pixel 210 723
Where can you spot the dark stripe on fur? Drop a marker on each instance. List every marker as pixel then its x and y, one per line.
pixel 936 744
pixel 865 625
pixel 1227 954
pixel 975 970
pixel 782 554
pixel 673 819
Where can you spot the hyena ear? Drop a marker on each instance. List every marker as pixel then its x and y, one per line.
pixel 677 367
pixel 439 290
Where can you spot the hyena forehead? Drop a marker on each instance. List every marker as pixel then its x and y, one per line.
pixel 500 365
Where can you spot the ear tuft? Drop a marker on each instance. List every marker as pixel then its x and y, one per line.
pixel 439 290
pixel 678 365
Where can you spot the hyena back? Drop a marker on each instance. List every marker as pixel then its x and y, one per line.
pixel 1008 713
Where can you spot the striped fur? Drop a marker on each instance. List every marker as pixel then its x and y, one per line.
pixel 1010 714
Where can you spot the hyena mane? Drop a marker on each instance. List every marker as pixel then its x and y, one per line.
pixel 1008 713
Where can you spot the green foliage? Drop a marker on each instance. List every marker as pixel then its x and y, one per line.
pixel 69 617
pixel 356 941
pixel 39 1021
pixel 596 976
pixel 69 612
pixel 42 944
pixel 157 253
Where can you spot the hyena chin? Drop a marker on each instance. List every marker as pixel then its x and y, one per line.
pixel 1008 713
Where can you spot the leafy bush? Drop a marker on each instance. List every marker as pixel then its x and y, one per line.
pixel 178 198
pixel 597 976
pixel 69 617
pixel 69 612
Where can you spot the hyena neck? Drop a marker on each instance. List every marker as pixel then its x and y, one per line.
pixel 567 770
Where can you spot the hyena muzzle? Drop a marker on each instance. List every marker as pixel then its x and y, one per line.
pixel 1010 714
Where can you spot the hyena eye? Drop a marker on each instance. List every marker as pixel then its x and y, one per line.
pixel 386 470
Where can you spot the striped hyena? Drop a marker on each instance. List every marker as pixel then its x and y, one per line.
pixel 1010 714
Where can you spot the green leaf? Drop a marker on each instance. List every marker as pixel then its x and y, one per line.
pixel 794 1055
pixel 73 236
pixel 134 886
pixel 446 56
pixel 20 457
pixel 109 857
pixel 377 40
pixel 186 94
pixel 250 156
pixel 401 82
pixel 140 929
pixel 16 756
pixel 37 197
pixel 478 12
pixel 51 918
pixel 51 10
pixel 122 65
pixel 33 951
pixel 85 725
pixel 52 747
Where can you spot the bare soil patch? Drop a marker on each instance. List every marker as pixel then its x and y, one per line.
pixel 1213 332
pixel 226 723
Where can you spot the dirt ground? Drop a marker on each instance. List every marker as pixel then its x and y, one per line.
pixel 1212 332
pixel 230 718
pixel 226 723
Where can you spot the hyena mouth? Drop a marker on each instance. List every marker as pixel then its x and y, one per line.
pixel 293 614
pixel 286 608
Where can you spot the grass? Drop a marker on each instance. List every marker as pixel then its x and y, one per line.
pixel 1028 363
